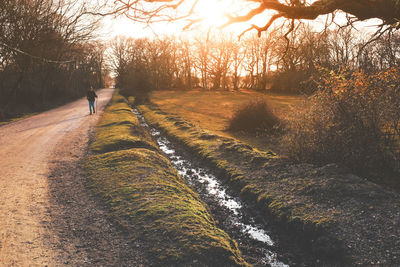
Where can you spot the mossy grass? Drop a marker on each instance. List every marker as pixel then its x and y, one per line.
pixel 119 129
pixel 145 194
pixel 234 161
pixel 216 151
pixel 321 208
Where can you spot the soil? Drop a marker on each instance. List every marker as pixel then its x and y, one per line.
pixel 48 216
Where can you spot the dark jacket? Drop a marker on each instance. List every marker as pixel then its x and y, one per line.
pixel 91 95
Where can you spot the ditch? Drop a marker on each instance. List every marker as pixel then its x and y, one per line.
pixel 241 222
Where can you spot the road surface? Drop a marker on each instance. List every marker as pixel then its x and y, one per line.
pixel 37 155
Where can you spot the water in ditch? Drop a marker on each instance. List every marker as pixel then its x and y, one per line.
pixel 252 238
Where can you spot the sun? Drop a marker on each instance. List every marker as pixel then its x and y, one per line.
pixel 215 13
pixel 207 14
pixel 212 12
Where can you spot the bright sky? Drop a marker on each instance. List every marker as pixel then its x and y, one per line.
pixel 211 11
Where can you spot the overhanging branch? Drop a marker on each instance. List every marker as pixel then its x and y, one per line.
pixel 386 10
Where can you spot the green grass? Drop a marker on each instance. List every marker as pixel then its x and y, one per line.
pixel 235 160
pixel 323 209
pixel 145 194
pixel 297 199
pixel 119 129
pixel 212 110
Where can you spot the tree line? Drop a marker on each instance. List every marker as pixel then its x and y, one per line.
pixel 220 61
pixel 47 54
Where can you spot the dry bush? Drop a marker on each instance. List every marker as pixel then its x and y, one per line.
pixel 254 116
pixel 353 119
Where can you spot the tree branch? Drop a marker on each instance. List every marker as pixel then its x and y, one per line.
pixel 386 10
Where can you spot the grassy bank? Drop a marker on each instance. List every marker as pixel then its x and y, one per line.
pixel 330 212
pixel 145 194
pixel 212 110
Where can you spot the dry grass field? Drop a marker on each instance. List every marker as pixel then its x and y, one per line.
pixel 211 110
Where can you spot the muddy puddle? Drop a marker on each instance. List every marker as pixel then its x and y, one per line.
pixel 233 216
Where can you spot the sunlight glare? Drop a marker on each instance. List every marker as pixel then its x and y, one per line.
pixel 212 13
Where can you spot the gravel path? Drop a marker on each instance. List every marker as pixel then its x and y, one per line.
pixel 47 216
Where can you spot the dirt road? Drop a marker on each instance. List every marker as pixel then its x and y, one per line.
pixel 38 164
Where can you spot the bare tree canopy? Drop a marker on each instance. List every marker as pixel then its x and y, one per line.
pixel 47 54
pixel 149 11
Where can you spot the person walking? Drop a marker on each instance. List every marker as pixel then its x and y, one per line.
pixel 91 95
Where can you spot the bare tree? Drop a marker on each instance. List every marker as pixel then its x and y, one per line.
pixel 120 55
pixel 238 55
pixel 343 48
pixel 43 53
pixel 388 50
pixel 202 59
pixel 187 62
pixel 220 61
pixel 251 60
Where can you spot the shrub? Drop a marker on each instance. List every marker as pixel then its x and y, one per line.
pixel 353 119
pixel 254 116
